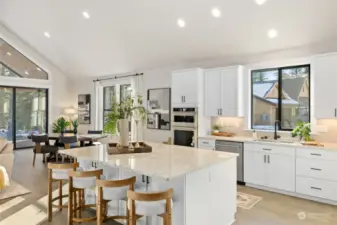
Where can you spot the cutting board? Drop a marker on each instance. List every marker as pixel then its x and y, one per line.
pixel 223 134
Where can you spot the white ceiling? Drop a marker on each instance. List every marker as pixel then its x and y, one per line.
pixel 132 35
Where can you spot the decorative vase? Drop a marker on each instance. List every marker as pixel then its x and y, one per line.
pixel 124 132
pixel 62 131
pixel 75 130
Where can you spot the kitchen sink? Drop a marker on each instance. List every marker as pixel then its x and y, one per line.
pixel 276 141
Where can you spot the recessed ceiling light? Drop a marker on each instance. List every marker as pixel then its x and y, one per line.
pixel 216 12
pixel 8 53
pixel 181 23
pixel 272 33
pixel 260 2
pixel 46 34
pixel 26 72
pixel 86 15
pixel 38 68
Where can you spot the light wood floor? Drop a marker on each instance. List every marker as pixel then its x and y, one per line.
pixel 273 209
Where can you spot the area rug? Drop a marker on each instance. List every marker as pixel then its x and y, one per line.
pixel 13 190
pixel 246 201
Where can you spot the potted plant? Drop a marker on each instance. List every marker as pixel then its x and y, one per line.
pixel 60 125
pixel 216 128
pixel 75 125
pixel 303 130
pixel 121 113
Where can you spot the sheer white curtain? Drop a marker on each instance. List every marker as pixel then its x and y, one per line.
pixel 137 89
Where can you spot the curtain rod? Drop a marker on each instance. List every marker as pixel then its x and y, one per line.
pixel 117 77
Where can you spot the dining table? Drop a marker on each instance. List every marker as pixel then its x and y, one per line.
pixel 83 139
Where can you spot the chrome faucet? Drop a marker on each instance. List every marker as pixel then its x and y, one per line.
pixel 275 130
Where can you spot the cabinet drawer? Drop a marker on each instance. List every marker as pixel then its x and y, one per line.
pixel 316 169
pixel 270 149
pixel 317 154
pixel 206 142
pixel 316 187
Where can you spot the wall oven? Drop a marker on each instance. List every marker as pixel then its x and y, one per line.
pixel 185 126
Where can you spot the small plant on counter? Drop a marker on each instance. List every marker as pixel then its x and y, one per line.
pixel 302 130
pixel 215 128
pixel 60 125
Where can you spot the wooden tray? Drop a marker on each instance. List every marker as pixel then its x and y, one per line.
pixel 312 143
pixel 114 150
pixel 223 134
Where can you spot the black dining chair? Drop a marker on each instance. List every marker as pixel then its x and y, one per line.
pixel 95 132
pixel 42 146
pixel 69 142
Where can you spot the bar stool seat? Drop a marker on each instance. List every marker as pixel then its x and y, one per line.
pixel 84 182
pixel 150 208
pixel 115 193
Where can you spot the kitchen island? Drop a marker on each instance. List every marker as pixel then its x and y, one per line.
pixel 204 181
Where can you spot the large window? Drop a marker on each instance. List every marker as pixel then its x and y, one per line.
pixel 280 94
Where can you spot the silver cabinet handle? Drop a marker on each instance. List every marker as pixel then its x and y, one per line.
pixel 335 112
pixel 266 149
pixel 316 169
pixel 205 142
pixel 264 158
pixel 316 188
pixel 220 111
pixel 184 99
pixel 268 157
pixel 315 154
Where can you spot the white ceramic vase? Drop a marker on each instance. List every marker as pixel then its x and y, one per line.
pixel 124 132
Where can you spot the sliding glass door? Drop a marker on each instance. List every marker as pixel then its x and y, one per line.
pixel 6 113
pixel 23 111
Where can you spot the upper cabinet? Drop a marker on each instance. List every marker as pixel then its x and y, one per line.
pixel 325 79
pixel 223 91
pixel 186 87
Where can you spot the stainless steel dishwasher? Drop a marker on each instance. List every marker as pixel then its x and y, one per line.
pixel 233 147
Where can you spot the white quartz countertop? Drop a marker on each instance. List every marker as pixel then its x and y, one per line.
pixel 165 161
pixel 326 145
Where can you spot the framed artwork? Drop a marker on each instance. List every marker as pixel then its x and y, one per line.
pixel 84 108
pixel 159 108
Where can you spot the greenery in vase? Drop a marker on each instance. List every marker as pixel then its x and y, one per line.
pixel 126 109
pixel 60 125
pixel 216 127
pixel 302 130
pixel 75 125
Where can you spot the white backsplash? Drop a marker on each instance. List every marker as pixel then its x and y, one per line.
pixel 324 130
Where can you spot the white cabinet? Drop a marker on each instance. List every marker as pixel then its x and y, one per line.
pixel 206 144
pixel 186 86
pixel 266 165
pixel 255 168
pixel 325 79
pixel 223 91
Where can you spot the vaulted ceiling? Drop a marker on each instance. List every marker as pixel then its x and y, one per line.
pixel 130 35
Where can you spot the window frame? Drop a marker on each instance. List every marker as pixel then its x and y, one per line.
pixel 279 80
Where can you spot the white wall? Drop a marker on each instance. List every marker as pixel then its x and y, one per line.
pixel 58 83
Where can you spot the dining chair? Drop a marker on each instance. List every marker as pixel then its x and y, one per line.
pixel 69 142
pixel 42 146
pixel 95 132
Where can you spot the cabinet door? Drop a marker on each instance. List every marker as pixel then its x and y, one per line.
pixel 281 172
pixel 255 168
pixel 229 92
pixel 325 78
pixel 212 92
pixel 177 88
pixel 190 81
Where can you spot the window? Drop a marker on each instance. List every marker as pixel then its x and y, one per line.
pixel 280 94
pixel 125 91
pixel 108 94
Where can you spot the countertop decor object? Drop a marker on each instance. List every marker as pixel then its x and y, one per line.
pixel 312 143
pixel 303 130
pixel 116 149
pixel 223 134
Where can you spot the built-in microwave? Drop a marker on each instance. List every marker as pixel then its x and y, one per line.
pixel 185 126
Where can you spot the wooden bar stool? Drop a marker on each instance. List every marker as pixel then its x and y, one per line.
pixel 109 190
pixel 57 173
pixel 150 204
pixel 78 182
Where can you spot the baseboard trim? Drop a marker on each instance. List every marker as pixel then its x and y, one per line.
pixel 293 194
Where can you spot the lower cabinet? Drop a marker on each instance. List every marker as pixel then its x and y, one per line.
pixel 270 170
